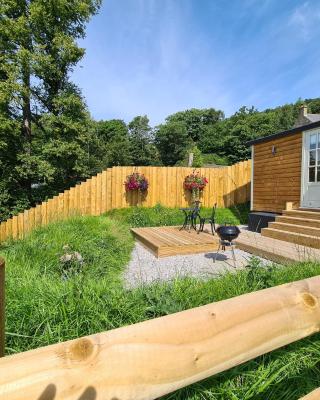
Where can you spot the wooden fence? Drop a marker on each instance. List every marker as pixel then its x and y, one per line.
pixel 2 307
pixel 227 186
pixel 152 358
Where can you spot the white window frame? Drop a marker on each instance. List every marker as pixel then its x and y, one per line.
pixel 252 174
pixel 305 165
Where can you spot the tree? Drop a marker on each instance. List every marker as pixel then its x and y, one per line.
pixel 196 120
pixel 197 160
pixel 313 105
pixel 38 43
pixel 114 142
pixel 172 141
pixel 143 151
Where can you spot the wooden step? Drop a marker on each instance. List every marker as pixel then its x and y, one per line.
pixel 303 229
pixel 297 238
pixel 309 209
pixel 275 250
pixel 302 214
pixel 298 221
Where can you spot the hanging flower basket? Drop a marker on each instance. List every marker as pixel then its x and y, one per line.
pixel 136 181
pixel 195 183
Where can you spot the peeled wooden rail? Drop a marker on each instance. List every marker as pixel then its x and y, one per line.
pixel 315 395
pixel 227 186
pixel 155 357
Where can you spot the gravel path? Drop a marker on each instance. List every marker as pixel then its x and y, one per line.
pixel 144 268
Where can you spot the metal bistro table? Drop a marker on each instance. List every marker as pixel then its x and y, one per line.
pixel 191 214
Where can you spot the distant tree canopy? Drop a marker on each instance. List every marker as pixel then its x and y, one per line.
pixel 172 141
pixel 197 120
pixel 142 147
pixel 113 142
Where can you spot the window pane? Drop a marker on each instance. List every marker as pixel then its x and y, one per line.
pixel 318 140
pixel 318 159
pixel 312 157
pixel 318 174
pixel 313 141
pixel 312 174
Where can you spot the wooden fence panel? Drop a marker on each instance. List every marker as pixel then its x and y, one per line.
pixel 15 233
pixel 2 307
pixel 93 195
pixel 105 191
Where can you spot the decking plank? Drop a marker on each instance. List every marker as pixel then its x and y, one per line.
pixel 168 241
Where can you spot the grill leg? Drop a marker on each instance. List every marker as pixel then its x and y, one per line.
pixel 233 256
pixel 216 255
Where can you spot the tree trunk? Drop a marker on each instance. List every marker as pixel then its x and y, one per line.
pixel 26 112
pixel 26 119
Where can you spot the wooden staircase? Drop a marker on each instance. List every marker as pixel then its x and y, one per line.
pixel 301 227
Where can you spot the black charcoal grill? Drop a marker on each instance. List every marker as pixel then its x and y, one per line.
pixel 227 235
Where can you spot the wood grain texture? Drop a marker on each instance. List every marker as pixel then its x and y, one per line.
pixel 2 307
pixel 274 249
pixel 150 359
pixel 314 395
pixel 168 241
pixel 277 178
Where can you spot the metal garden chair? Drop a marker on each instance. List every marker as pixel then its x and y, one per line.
pixel 210 220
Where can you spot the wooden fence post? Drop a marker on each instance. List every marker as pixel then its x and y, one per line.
pixel 2 307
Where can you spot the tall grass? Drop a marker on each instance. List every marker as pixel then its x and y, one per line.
pixel 46 305
pixel 164 216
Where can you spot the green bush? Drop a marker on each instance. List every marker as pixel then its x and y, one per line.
pixel 215 159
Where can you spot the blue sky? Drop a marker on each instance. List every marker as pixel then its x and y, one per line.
pixel 156 57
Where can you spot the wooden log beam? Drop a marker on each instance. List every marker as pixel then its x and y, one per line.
pixel 2 307
pixel 314 395
pixel 155 357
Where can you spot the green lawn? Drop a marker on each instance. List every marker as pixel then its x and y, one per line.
pixel 50 301
pixel 160 216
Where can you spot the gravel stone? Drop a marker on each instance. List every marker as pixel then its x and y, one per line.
pixel 144 268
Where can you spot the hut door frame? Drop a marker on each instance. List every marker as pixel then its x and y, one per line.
pixel 310 174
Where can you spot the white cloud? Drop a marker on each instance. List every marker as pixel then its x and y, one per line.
pixel 306 18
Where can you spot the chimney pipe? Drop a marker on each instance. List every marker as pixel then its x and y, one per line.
pixel 304 110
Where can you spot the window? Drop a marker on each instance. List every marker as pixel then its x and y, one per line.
pixel 314 158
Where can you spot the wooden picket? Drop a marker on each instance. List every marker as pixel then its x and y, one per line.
pixel 227 186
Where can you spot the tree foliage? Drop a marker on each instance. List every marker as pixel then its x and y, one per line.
pixel 172 141
pixel 114 142
pixel 44 120
pixel 197 120
pixel 143 150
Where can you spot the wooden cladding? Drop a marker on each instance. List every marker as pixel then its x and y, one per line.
pixel 227 186
pixel 277 174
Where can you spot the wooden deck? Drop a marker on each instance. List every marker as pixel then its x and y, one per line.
pixel 274 249
pixel 167 241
